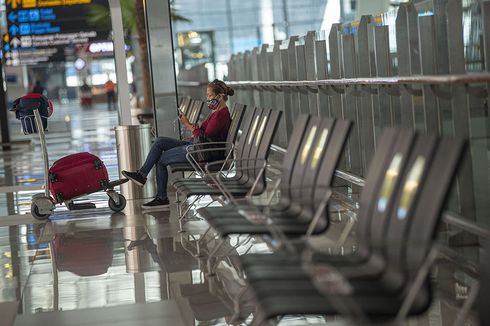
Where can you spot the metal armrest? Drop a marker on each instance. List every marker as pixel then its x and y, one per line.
pixel 256 216
pixel 196 165
pixel 219 181
pixel 337 290
pixel 320 209
pixel 191 147
pixel 206 150
pixel 237 160
pixel 194 151
pixel 223 164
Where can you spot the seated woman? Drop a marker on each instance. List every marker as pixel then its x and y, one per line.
pixel 167 150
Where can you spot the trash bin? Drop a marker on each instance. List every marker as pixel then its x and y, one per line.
pixel 133 144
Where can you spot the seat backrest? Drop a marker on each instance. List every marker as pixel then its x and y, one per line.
pixel 388 190
pixel 245 127
pixel 293 189
pixel 236 120
pixel 254 143
pixel 246 140
pixel 302 196
pixel 427 208
pixel 185 105
pixel 325 159
pixel 394 239
pixel 262 143
pixel 191 108
pixel 195 112
pixel 383 156
pixel 292 153
pixel 417 211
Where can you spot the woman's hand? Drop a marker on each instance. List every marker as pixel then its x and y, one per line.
pixel 185 121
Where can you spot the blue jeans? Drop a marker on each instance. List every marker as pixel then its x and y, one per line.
pixel 163 152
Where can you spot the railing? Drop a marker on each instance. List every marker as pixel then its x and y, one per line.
pixel 184 83
pixel 399 81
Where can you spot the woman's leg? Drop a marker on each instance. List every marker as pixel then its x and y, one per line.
pixel 160 145
pixel 174 155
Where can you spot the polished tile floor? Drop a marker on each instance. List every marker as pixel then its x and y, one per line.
pixel 94 267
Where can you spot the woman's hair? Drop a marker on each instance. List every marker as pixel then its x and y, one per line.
pixel 219 87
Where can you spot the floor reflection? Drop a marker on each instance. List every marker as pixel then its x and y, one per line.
pixel 88 264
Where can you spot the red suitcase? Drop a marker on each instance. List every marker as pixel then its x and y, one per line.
pixel 76 175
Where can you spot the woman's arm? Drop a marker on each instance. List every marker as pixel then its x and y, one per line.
pixel 213 127
pixel 183 119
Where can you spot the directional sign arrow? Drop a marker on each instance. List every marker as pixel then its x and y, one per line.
pixel 15 42
pixel 12 17
pixel 14 3
pixel 13 30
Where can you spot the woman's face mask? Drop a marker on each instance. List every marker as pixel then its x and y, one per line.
pixel 214 103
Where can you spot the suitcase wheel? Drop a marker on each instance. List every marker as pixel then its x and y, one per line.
pixel 117 207
pixel 35 213
pixel 59 198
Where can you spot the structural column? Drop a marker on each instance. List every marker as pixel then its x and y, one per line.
pixel 120 58
pixel 162 67
pixel 4 126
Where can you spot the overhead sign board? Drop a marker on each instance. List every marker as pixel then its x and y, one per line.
pixel 48 30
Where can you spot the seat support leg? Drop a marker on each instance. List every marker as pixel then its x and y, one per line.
pixel 189 207
pixel 417 284
pixel 211 256
pixel 468 304
pixel 344 235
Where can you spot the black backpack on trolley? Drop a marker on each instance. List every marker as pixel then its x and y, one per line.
pixel 26 116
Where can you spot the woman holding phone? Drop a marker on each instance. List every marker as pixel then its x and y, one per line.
pixel 167 150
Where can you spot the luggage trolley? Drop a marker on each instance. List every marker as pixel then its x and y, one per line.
pixel 60 186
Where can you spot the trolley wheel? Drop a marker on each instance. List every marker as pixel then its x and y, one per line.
pixel 115 207
pixel 35 213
